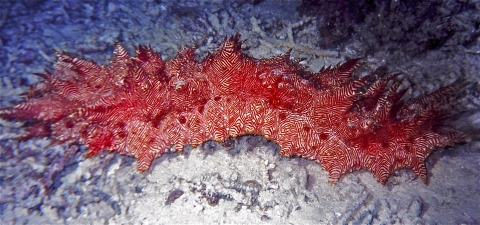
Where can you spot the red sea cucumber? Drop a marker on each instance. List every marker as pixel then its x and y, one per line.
pixel 142 107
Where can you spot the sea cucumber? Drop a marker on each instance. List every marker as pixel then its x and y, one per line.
pixel 143 107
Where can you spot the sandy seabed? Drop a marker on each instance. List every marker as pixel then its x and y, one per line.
pixel 242 180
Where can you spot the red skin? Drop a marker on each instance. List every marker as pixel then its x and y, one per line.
pixel 142 107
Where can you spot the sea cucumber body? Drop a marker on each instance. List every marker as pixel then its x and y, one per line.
pixel 142 107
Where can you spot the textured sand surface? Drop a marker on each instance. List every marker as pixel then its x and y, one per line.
pixel 243 180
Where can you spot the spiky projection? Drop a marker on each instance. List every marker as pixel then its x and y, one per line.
pixel 142 107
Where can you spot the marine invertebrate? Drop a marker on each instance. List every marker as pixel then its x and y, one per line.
pixel 142 107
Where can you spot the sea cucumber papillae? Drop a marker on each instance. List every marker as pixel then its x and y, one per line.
pixel 142 107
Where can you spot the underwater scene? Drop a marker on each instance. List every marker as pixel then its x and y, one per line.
pixel 239 112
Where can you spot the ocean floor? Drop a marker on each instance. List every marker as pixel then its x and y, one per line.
pixel 243 180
